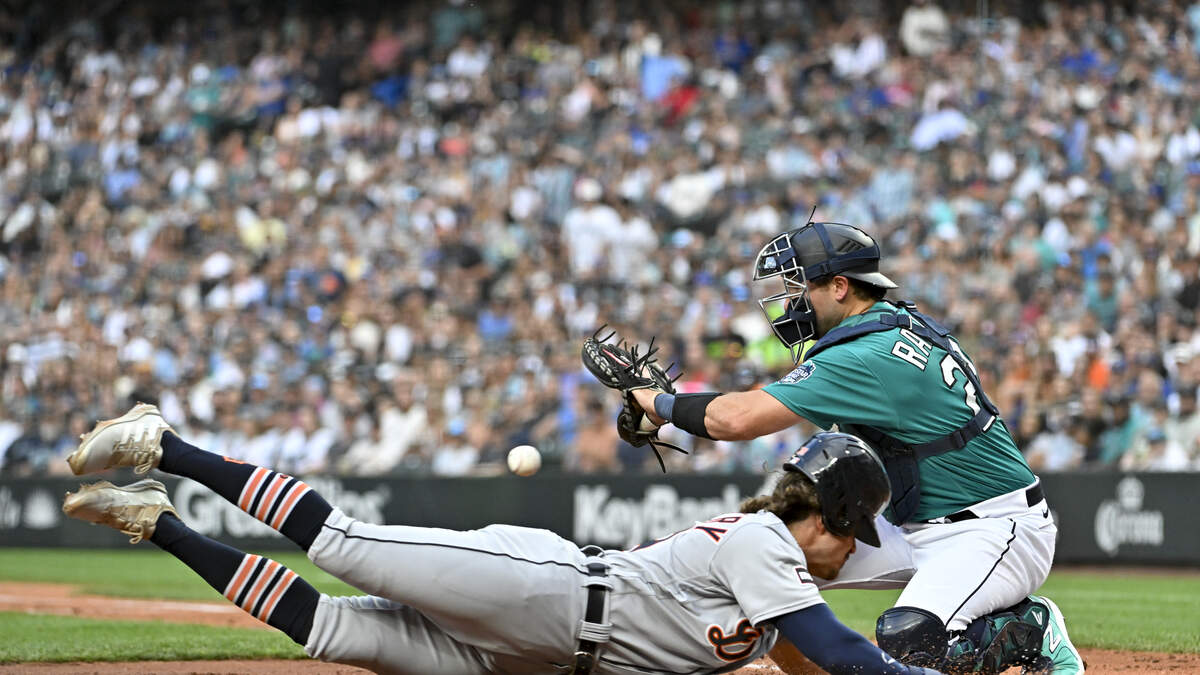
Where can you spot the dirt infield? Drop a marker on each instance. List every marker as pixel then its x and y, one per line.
pixel 61 599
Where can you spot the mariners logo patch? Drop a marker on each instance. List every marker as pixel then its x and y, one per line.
pixel 801 372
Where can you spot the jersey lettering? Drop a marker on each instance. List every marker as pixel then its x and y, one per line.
pixel 916 341
pixel 714 532
pixel 737 645
pixel 910 354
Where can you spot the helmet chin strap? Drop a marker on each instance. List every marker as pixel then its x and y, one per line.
pixel 796 326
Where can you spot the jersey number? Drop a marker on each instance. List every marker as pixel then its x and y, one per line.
pixel 949 365
pixel 916 352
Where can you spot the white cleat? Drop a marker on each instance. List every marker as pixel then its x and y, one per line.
pixel 133 439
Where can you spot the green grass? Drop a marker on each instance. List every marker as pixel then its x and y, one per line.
pixel 859 609
pixel 36 637
pixel 1142 612
pixel 145 572
pixel 1138 611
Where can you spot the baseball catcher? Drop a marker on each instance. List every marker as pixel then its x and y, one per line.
pixel 968 533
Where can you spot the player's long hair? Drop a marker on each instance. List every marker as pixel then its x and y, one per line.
pixel 794 498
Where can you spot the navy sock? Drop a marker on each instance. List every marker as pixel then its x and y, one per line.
pixel 285 503
pixel 262 587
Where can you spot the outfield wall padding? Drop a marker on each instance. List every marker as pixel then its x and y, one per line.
pixel 1103 518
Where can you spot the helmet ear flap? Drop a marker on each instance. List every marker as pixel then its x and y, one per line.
pixel 850 483
pixel 835 509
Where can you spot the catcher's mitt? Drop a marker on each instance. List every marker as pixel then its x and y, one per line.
pixel 619 366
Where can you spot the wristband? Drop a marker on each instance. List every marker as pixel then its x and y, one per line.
pixel 664 405
pixel 688 412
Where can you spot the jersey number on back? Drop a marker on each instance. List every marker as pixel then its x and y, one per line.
pixel 917 353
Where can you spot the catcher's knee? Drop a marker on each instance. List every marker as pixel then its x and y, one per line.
pixel 913 636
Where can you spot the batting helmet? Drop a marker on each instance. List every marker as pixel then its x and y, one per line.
pixel 850 482
pixel 811 253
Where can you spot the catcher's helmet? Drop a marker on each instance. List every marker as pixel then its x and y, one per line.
pixel 850 480
pixel 810 253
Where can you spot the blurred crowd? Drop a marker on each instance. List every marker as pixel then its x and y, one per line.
pixel 371 240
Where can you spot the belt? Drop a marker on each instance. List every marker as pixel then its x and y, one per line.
pixel 594 630
pixel 1033 496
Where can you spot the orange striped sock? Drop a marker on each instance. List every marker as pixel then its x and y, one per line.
pixel 285 503
pixel 262 587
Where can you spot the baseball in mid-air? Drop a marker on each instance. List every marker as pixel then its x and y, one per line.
pixel 524 460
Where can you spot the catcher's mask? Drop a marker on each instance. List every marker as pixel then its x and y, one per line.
pixel 811 253
pixel 850 481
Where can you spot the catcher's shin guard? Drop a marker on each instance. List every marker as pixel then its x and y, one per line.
pixel 913 636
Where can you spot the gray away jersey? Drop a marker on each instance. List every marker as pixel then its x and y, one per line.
pixel 702 595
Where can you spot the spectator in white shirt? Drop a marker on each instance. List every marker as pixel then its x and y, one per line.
pixel 402 421
pixel 947 124
pixel 455 456
pixel 468 60
pixel 924 28
pixel 305 447
pixel 635 239
pixel 587 229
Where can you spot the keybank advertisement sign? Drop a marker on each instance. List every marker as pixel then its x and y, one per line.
pixel 652 510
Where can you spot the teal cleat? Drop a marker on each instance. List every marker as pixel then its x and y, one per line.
pixel 1058 655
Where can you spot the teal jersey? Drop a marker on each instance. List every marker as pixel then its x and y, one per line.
pixel 914 391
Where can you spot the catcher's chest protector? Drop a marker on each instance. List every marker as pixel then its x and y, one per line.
pixel 901 459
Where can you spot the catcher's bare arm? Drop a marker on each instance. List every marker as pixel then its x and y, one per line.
pixel 735 416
